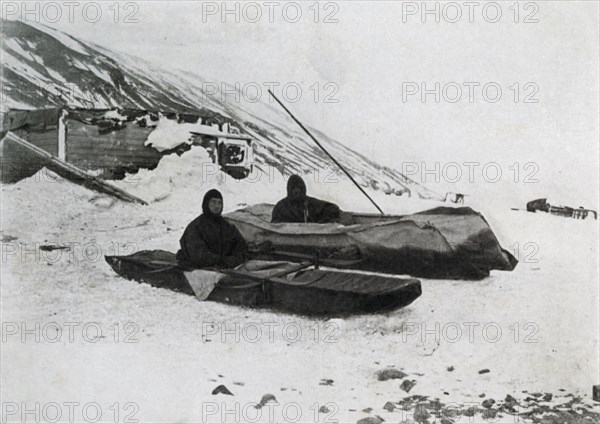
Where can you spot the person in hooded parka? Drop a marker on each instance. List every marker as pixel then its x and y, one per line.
pixel 211 241
pixel 300 208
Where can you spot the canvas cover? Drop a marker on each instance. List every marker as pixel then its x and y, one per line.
pixel 306 291
pixel 438 243
pixel 203 282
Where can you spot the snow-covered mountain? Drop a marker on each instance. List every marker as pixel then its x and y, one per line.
pixel 43 67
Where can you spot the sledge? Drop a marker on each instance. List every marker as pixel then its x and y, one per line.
pixel 445 242
pixel 542 205
pixel 285 286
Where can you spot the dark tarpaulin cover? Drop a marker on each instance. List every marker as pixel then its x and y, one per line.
pixel 455 243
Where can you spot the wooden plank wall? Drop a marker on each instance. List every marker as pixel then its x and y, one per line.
pixel 113 153
pixel 47 140
pixel 14 165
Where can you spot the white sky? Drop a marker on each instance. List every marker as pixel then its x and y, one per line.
pixel 370 52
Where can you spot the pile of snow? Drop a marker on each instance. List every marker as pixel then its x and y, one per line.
pixel 183 180
pixel 169 133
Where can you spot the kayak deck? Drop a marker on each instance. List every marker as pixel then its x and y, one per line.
pixel 305 292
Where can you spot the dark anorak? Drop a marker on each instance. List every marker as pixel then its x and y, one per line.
pixel 304 209
pixel 211 241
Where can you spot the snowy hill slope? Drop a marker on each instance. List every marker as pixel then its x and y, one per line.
pixel 43 67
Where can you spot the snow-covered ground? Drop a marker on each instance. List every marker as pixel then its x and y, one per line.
pixel 161 354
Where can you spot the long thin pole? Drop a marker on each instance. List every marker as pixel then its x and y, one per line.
pixel 326 152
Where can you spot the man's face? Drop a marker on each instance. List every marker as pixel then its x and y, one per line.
pixel 296 193
pixel 215 205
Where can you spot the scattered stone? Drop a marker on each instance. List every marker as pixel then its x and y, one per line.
pixel 488 403
pixel 221 389
pixel 239 383
pixel 537 394
pixel 264 400
pixel 326 382
pixel 283 389
pixel 220 375
pixel 389 406
pixel 367 410
pixel 484 371
pixel 469 412
pixel 407 385
pixel 488 414
pixel 450 368
pixel 390 374
pixel 482 395
pixel 446 393
pixel 547 397
pixel 510 404
pixel 419 398
pixel 435 406
pixel 596 393
pixel 371 420
pixel 51 247
pixel 324 410
pixel 421 415
pixel 451 411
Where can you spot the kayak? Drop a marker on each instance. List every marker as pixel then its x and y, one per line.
pixel 445 243
pixel 278 285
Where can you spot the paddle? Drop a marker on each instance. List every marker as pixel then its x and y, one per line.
pixel 311 260
pixel 275 278
pixel 332 262
pixel 173 264
pixel 266 249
